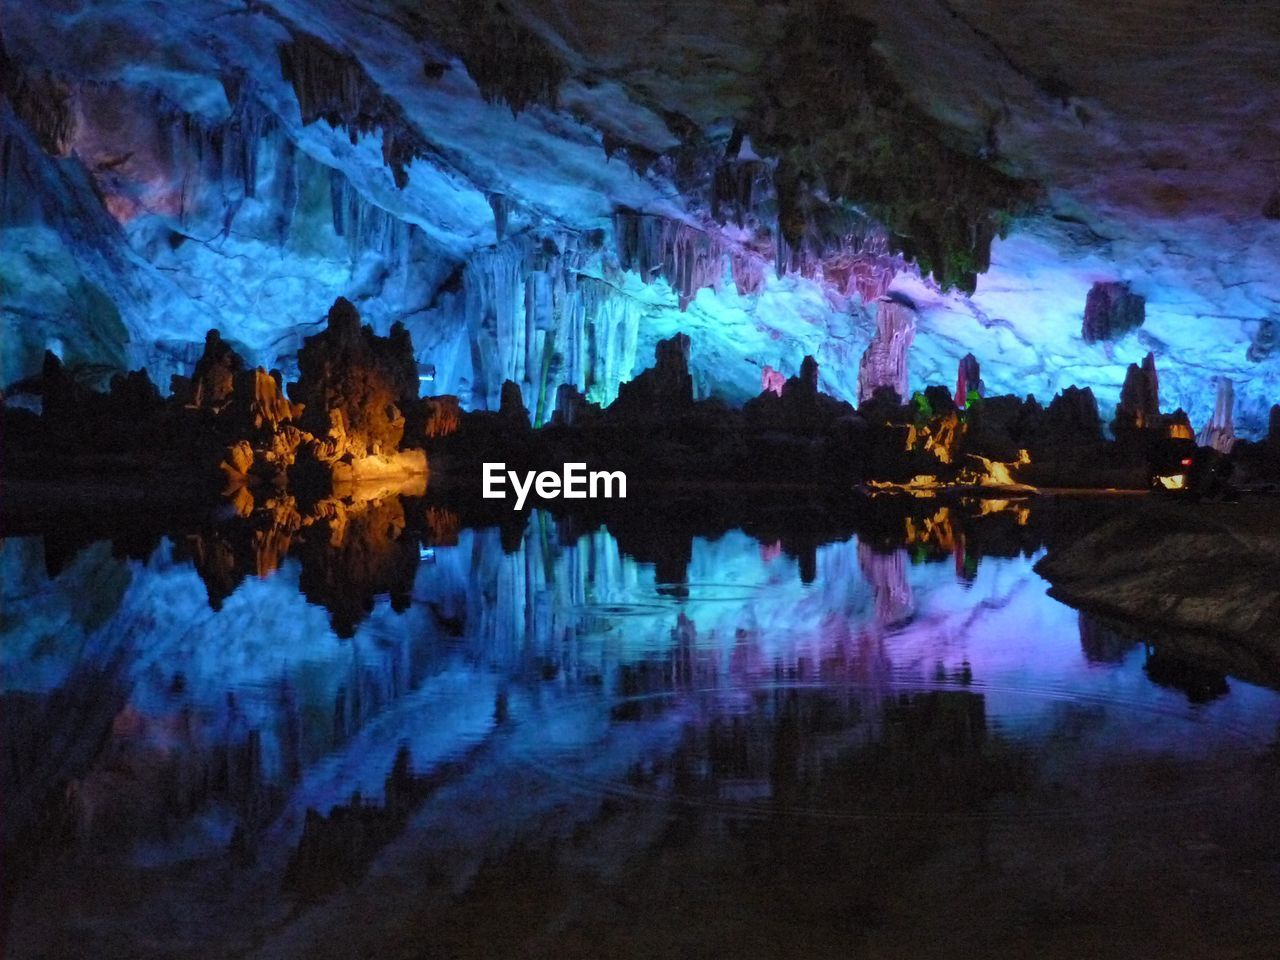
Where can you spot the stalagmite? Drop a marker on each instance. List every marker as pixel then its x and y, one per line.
pixel 664 389
pixel 1139 406
pixel 884 364
pixel 215 373
pixel 771 380
pixel 1219 432
pixel 968 379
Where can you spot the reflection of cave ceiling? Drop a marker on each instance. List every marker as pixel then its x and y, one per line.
pixel 173 167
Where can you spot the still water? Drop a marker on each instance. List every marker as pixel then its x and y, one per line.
pixel 350 741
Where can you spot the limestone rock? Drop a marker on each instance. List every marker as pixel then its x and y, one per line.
pixel 1111 310
pixel 572 408
pixel 1139 407
pixel 367 379
pixel 968 379
pixel 884 364
pixel 662 390
pixel 213 382
pixel 1219 432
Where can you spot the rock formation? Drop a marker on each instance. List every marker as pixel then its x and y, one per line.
pixel 771 380
pixel 968 379
pixel 215 375
pixel 884 364
pixel 1111 310
pixel 1139 407
pixel 366 378
pixel 664 390
pixel 1219 432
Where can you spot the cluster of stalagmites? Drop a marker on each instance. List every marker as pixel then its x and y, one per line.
pixel 353 414
pixel 794 433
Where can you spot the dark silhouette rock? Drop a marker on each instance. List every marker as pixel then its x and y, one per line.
pixel 572 408
pixel 214 379
pixel 511 408
pixel 663 390
pixel 1139 406
pixel 1111 310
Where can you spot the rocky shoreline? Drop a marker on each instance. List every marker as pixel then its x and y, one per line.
pixel 1209 569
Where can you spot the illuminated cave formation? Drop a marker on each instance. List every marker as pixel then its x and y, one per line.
pixel 532 205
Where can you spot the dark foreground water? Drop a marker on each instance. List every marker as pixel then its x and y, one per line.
pixel 500 745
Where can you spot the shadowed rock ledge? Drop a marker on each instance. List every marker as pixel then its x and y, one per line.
pixel 1207 568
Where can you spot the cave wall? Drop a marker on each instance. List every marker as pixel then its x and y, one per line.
pixel 168 171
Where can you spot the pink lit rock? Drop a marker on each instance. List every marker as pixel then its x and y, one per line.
pixel 968 378
pixel 771 380
pixel 884 364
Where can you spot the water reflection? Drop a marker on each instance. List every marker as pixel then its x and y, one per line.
pixel 365 697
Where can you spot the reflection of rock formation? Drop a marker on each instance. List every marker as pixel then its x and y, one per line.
pixel 1198 683
pixel 844 749
pixel 338 847
pixel 887 574
pixel 1102 643
pixel 352 549
pixel 351 554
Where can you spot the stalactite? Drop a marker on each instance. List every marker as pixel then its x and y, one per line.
pixel 365 225
pixel 686 257
pixel 493 284
pixel 1263 341
pixel 501 206
pixel 43 102
pixel 737 188
pixel 748 272
pixel 1219 432
pixel 867 275
pixel 884 364
pixel 1111 310
pixel 613 331
pixel 508 61
pixel 333 86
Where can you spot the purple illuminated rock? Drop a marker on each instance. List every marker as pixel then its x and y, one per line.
pixel 968 379
pixel 884 364
pixel 1111 310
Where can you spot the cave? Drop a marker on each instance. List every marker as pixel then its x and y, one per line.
pixel 780 478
